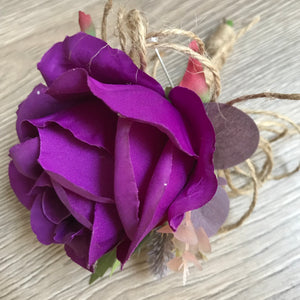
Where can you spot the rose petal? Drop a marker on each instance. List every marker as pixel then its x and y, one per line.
pixel 146 106
pixel 168 179
pixel 101 61
pixel 146 146
pixel 25 157
pixel 237 135
pixel 53 208
pixel 71 84
pixel 80 208
pixel 54 63
pixel 91 122
pixel 37 105
pixel 65 230
pixel 107 231
pixel 158 185
pixel 77 248
pixel 126 191
pixel 21 185
pixel 41 226
pixel 40 183
pixel 213 214
pixel 81 168
pixel 106 64
pixel 203 183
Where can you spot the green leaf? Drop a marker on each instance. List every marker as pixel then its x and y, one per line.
pixel 91 30
pixel 107 261
pixel 116 264
pixel 229 22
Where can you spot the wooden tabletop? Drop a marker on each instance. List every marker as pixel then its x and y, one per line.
pixel 259 260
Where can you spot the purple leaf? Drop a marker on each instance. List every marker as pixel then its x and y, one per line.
pixel 213 214
pixel 237 135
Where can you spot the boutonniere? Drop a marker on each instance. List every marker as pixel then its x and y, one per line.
pixel 110 163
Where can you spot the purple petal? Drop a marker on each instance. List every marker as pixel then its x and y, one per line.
pixel 106 64
pixel 126 192
pixel 203 183
pixel 107 231
pixel 65 230
pixel 69 85
pixel 169 177
pixel 53 208
pixel 101 61
pixel 123 250
pixel 80 208
pixel 81 168
pixel 146 106
pixel 159 184
pixel 181 168
pixel 41 226
pixel 40 184
pixel 213 214
pixel 91 122
pixel 54 63
pixel 21 185
pixel 146 146
pixel 77 248
pixel 37 105
pixel 25 157
pixel 237 135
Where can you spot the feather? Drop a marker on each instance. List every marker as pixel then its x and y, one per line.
pixel 160 251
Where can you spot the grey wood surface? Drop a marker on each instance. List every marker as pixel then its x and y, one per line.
pixel 260 260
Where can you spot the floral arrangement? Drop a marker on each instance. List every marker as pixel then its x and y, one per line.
pixel 109 162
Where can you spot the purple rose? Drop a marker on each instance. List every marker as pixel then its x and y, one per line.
pixel 104 157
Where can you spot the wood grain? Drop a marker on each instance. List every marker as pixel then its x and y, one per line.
pixel 260 260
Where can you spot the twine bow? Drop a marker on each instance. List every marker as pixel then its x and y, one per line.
pixel 132 26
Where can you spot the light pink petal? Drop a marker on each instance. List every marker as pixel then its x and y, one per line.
pixel 186 233
pixel 188 256
pixel 165 229
pixel 204 244
pixel 175 264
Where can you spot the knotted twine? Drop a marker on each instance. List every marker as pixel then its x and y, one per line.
pixel 132 27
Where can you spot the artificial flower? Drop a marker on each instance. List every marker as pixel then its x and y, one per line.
pixel 104 157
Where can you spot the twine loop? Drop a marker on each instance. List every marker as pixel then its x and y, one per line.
pixel 133 26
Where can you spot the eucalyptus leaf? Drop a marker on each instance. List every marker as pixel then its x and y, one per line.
pixel 237 135
pixel 213 214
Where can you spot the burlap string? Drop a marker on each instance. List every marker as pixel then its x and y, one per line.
pixel 132 25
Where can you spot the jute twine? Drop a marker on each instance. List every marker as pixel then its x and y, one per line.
pixel 135 40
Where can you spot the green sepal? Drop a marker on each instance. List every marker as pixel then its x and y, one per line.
pixel 205 97
pixel 116 264
pixel 91 30
pixel 229 22
pixel 107 261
